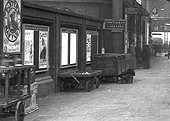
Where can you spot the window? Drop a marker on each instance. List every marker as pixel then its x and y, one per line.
pixel 92 44
pixel 68 47
pixel 36 46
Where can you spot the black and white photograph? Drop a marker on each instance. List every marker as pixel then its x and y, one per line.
pixel 85 60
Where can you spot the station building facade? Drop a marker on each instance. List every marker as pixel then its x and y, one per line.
pixel 61 36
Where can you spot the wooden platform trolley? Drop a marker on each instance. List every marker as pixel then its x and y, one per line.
pixel 113 66
pixel 86 78
pixel 12 81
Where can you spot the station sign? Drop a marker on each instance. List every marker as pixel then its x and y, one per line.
pixel 145 18
pixel 161 24
pixel 114 24
pixel 131 11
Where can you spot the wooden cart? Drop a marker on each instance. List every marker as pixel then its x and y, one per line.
pixel 73 79
pixel 12 81
pixel 111 64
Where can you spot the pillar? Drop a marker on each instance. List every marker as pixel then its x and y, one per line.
pixel 117 10
pixel 1 25
pixel 82 47
pixel 148 5
pixel 148 8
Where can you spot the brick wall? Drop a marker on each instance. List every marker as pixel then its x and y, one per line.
pixel 94 8
pixel 45 86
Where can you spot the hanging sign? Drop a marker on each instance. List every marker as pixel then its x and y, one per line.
pixel 155 11
pixel 114 24
pixel 131 11
pixel 145 18
pixel 11 26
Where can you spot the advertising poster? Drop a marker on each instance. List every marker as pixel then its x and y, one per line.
pixel 12 26
pixel 35 46
pixel 29 47
pixel 73 43
pixel 43 57
pixel 64 51
pixel 88 47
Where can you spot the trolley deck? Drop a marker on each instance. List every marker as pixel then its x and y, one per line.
pixel 73 79
pixel 111 64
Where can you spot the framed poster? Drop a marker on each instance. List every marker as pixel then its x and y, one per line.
pixel 29 47
pixel 12 26
pixel 64 49
pixel 88 48
pixel 43 55
pixel 92 40
pixel 73 48
pixel 35 46
pixel 69 47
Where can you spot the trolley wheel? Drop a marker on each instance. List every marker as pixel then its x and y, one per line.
pixel 19 112
pixel 116 80
pixel 123 80
pixel 97 82
pixel 64 86
pixel 89 86
pixel 73 87
pixel 131 79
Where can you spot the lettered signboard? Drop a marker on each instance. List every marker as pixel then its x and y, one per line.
pixel 114 25
pixel 11 26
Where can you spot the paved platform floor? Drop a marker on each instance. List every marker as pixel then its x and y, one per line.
pixel 146 99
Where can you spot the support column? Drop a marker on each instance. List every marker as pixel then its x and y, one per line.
pixel 148 8
pixel 117 9
pixel 118 37
pixel 57 26
pixel 1 25
pixel 82 47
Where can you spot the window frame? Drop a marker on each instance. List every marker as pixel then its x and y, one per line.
pixel 92 32
pixel 69 31
pixel 36 39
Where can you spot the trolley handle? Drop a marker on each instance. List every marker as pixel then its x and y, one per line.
pixel 75 78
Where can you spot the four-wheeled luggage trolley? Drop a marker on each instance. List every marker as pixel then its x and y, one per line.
pixel 12 81
pixel 113 66
pixel 73 79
